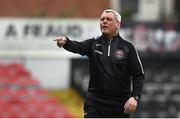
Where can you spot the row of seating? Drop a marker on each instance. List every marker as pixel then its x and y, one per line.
pixel 22 97
pixel 163 75
pixel 161 93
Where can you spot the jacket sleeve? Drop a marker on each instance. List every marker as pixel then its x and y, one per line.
pixel 82 48
pixel 136 71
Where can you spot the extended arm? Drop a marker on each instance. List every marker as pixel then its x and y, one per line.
pixel 82 48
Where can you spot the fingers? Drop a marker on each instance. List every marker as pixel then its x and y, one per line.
pixel 130 106
pixel 61 38
pixel 60 41
pixel 126 108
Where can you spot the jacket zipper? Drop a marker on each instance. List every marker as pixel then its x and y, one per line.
pixel 109 48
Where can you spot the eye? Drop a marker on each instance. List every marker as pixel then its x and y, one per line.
pixel 102 19
pixel 109 19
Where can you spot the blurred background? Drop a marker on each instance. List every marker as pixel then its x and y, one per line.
pixel 38 79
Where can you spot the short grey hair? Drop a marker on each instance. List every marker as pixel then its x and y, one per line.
pixel 116 14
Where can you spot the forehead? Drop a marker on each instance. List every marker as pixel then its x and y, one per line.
pixel 107 14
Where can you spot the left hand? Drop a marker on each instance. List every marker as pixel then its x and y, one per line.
pixel 130 105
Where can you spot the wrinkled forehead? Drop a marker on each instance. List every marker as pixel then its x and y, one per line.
pixel 108 14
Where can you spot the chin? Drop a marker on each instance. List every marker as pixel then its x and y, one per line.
pixel 105 33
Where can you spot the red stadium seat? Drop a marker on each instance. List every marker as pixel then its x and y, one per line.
pixel 22 97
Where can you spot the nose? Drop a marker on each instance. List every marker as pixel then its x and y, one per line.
pixel 104 20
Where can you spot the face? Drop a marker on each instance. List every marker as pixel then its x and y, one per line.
pixel 108 24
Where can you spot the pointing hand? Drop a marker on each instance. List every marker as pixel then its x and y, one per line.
pixel 61 40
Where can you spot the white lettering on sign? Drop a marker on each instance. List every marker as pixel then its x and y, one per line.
pixel 38 34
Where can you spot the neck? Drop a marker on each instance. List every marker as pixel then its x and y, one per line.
pixel 110 37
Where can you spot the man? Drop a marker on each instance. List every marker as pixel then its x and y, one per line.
pixel 116 73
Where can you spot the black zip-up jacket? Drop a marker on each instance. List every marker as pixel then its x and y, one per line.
pixel 114 64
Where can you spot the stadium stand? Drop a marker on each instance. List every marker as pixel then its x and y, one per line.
pixel 160 98
pixel 22 97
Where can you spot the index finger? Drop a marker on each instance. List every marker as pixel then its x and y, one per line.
pixel 56 40
pixel 59 38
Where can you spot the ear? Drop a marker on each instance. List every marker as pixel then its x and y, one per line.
pixel 118 24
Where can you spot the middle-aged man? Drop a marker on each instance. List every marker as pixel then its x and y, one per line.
pixel 116 73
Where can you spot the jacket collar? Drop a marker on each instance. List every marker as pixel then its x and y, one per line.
pixel 114 37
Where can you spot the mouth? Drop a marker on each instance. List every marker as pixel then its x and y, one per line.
pixel 105 27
